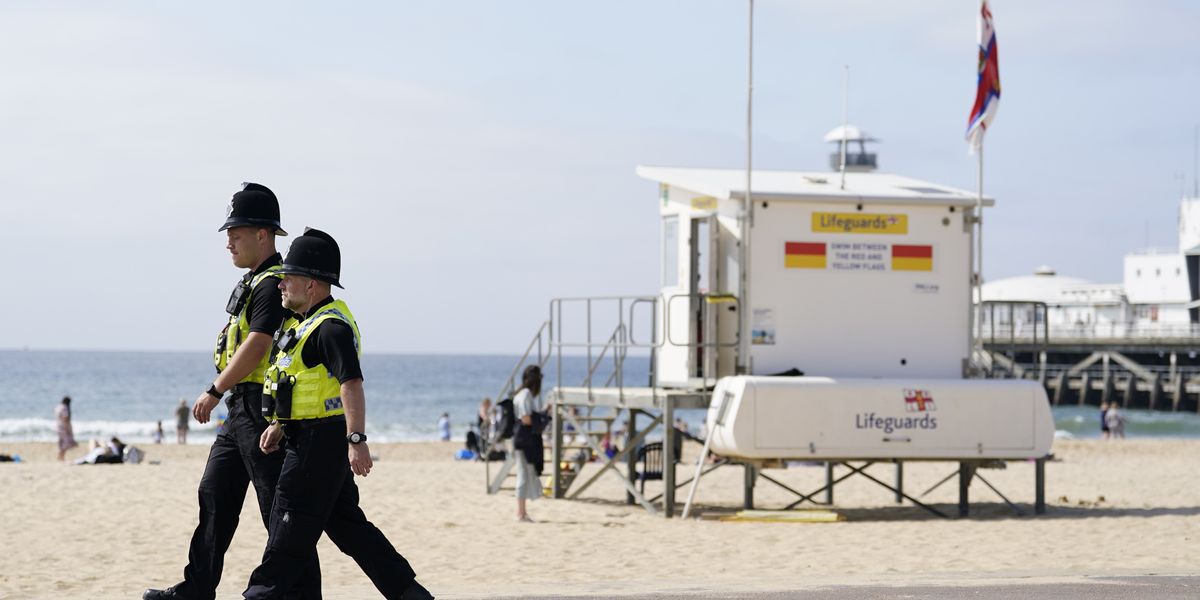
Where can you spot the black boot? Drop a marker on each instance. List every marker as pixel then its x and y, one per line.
pixel 166 594
pixel 416 591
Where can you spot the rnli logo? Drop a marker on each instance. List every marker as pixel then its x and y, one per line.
pixel 229 209
pixel 918 401
pixel 285 361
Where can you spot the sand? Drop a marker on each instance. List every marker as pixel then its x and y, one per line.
pixel 1115 508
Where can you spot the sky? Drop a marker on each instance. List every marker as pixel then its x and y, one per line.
pixel 475 159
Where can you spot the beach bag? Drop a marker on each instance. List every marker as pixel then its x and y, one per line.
pixel 133 455
pixel 508 419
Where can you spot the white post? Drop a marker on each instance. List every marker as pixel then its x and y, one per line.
pixel 687 506
pixel 747 217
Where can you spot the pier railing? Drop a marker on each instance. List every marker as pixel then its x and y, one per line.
pixel 1061 334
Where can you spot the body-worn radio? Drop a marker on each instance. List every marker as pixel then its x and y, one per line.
pixel 284 341
pixel 237 298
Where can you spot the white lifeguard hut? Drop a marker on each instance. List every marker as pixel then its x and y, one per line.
pixel 825 320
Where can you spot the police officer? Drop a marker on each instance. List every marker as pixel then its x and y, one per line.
pixel 254 312
pixel 314 396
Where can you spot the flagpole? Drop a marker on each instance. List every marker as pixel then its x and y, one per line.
pixel 977 275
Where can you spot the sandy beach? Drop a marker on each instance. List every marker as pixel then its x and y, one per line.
pixel 1115 509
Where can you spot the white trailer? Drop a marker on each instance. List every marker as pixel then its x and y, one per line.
pixel 822 418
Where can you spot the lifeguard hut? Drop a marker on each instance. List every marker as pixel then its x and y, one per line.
pixel 845 289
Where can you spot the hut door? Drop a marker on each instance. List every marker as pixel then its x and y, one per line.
pixel 682 359
pixel 703 252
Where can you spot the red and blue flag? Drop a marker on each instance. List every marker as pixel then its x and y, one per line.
pixel 987 93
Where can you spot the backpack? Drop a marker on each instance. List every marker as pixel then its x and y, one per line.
pixel 508 419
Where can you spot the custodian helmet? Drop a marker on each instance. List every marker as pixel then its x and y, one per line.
pixel 314 254
pixel 254 206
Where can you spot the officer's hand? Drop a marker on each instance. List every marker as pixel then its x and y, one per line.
pixel 360 459
pixel 203 407
pixel 268 442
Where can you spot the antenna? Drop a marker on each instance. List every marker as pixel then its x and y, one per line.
pixel 845 119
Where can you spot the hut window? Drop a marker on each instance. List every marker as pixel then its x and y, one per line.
pixel 670 251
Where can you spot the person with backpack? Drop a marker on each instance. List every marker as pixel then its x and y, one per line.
pixel 530 419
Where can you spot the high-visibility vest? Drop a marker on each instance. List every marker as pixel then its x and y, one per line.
pixel 311 391
pixel 238 329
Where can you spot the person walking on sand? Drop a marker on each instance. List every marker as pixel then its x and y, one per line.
pixel 158 433
pixel 1104 431
pixel 318 412
pixel 527 440
pixel 66 433
pixel 253 313
pixel 182 415
pixel 443 425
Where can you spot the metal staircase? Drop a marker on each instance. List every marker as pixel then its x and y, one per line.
pixel 587 431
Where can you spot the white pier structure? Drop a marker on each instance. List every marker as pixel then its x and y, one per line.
pixel 845 295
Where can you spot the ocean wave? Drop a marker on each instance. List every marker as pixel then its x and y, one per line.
pixel 45 430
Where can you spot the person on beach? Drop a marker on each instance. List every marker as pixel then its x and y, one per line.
pixel 1115 421
pixel 254 312
pixel 66 433
pixel 318 415
pixel 443 426
pixel 182 415
pixel 527 441
pixel 1104 430
pixel 158 433
pixel 485 417
pixel 98 453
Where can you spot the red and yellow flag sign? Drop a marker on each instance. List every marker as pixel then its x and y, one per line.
pixel 804 255
pixel 912 258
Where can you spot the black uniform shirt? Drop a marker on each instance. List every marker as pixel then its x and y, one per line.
pixel 332 344
pixel 266 311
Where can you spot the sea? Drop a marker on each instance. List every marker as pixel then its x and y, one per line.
pixel 125 394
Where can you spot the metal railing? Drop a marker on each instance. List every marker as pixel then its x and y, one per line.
pixel 624 336
pixel 1027 332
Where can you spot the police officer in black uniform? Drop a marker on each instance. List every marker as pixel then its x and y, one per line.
pixel 255 313
pixel 314 395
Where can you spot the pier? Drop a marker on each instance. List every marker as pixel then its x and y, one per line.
pixel 1155 367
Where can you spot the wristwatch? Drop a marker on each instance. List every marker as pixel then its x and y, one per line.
pixel 356 437
pixel 212 391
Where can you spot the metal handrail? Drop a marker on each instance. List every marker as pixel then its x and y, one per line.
pixel 705 298
pixel 603 350
pixel 556 309
pixel 623 336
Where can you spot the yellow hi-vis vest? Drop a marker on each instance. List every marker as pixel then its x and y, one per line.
pixel 238 329
pixel 314 392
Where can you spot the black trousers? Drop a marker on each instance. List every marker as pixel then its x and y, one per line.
pixel 234 462
pixel 317 493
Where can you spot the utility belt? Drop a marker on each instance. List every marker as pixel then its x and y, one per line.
pixel 303 424
pixel 246 387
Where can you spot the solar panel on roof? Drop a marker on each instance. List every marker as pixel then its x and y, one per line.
pixel 925 190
